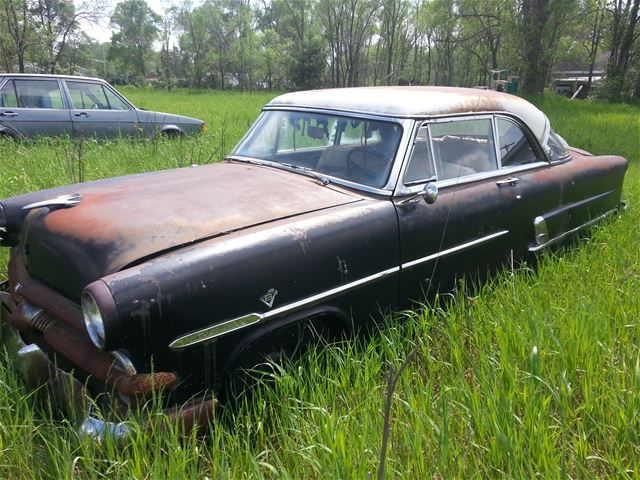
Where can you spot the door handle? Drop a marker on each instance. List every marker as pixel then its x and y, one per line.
pixel 8 114
pixel 81 114
pixel 511 181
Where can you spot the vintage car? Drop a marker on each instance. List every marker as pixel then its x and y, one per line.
pixel 336 207
pixel 59 105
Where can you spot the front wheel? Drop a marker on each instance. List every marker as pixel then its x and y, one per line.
pixel 255 364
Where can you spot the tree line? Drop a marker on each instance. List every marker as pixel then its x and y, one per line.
pixel 296 44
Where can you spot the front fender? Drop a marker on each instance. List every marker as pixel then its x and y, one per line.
pixel 343 258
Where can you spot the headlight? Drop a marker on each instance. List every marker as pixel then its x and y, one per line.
pixel 93 319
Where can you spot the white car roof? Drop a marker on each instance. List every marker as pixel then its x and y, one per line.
pixel 418 102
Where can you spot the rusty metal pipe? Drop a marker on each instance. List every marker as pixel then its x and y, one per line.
pixel 197 414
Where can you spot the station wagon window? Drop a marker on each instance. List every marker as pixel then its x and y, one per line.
pixel 420 167
pixel 463 147
pixel 85 95
pixel 515 148
pixel 358 150
pixel 31 94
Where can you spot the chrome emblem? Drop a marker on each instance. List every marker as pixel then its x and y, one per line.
pixel 269 297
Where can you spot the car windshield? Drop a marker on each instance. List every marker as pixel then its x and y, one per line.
pixel 358 150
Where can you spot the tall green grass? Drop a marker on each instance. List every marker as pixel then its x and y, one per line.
pixel 538 375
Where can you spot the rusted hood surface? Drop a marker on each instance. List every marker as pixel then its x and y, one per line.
pixel 122 220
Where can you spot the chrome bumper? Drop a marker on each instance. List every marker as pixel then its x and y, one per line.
pixel 69 396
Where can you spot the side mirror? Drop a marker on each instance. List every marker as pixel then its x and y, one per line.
pixel 430 193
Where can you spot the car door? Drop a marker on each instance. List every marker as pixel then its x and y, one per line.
pixel 31 107
pixel 469 224
pixel 97 111
pixel 538 189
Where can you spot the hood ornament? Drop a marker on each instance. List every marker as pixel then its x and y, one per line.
pixel 63 201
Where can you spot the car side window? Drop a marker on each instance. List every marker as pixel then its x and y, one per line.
pixel 463 147
pixel 8 95
pixel 31 94
pixel 420 167
pixel 515 148
pixel 87 95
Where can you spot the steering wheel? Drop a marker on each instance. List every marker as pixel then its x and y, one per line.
pixel 366 163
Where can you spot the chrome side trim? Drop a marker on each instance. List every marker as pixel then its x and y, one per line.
pixel 216 330
pixel 457 248
pixel 536 248
pixel 228 326
pixel 541 230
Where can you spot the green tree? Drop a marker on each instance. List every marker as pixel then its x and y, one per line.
pixel 55 22
pixel 294 41
pixel 17 30
pixel 541 24
pixel 349 26
pixel 194 40
pixel 623 44
pixel 137 28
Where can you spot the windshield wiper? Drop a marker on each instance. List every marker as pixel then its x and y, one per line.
pixel 290 167
pixel 305 171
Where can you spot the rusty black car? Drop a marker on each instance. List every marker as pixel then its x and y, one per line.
pixel 336 206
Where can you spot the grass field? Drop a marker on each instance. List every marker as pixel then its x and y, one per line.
pixel 536 376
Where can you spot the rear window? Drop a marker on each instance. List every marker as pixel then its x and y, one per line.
pixel 557 146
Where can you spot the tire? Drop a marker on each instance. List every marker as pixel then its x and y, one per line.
pixel 170 134
pixel 257 361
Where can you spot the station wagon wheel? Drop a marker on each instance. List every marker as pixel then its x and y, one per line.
pixel 170 134
pixel 366 163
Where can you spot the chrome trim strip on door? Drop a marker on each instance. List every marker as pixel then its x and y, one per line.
pixel 228 326
pixel 456 249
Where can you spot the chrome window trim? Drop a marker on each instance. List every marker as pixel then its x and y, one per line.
pixel 496 141
pixel 228 326
pixel 409 154
pixel 455 249
pixel 410 190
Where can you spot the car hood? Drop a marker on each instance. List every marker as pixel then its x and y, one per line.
pixel 120 221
